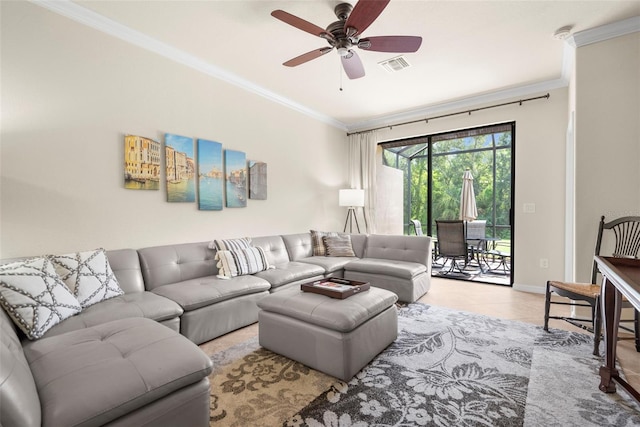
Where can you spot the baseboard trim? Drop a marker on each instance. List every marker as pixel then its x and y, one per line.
pixel 529 288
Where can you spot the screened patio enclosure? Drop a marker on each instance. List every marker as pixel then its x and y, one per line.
pixel 433 167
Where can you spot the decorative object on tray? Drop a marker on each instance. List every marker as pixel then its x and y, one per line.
pixel 335 287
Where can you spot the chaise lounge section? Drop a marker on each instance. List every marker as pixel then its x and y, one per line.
pixel 400 264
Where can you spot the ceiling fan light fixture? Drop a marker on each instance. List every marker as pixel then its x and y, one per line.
pixel 345 34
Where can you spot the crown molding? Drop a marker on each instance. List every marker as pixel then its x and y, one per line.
pixel 605 32
pixel 108 26
pixel 461 104
pixel 101 23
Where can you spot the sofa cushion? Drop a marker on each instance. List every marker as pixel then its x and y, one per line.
pixel 402 248
pixel 240 262
pixel 330 264
pixel 402 269
pixel 274 248
pixel 88 276
pixel 196 293
pixel 163 265
pixel 139 304
pixel 34 296
pixel 125 264
pixel 96 375
pixel 289 272
pixel 298 245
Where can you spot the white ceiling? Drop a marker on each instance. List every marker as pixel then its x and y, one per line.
pixel 469 49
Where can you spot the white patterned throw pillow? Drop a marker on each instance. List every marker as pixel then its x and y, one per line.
pixel 230 244
pixel 88 276
pixel 241 261
pixel 34 296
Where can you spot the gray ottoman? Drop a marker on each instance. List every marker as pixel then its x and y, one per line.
pixel 337 337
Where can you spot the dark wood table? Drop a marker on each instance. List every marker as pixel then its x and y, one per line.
pixel 620 276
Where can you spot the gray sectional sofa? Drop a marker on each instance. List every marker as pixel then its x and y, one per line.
pixel 133 359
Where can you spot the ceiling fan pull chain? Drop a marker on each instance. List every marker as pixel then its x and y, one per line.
pixel 340 71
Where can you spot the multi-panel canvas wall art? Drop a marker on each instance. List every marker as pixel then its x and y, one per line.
pixel 180 168
pixel 235 167
pixel 141 163
pixel 258 180
pixel 210 175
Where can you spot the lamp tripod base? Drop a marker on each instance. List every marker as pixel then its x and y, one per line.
pixel 351 216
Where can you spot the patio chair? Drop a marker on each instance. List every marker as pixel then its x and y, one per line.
pixel 452 244
pixel 417 227
pixel 476 231
pixel 476 238
pixel 627 243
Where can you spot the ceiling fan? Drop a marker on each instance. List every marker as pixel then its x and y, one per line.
pixel 344 34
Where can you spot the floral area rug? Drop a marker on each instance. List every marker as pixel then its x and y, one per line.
pixel 447 368
pixel 251 386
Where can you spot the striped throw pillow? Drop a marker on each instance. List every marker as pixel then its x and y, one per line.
pixel 319 248
pixel 339 246
pixel 240 262
pixel 230 244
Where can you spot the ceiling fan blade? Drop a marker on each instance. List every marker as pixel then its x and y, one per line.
pixel 363 15
pixel 352 65
pixel 305 57
pixel 301 24
pixel 400 44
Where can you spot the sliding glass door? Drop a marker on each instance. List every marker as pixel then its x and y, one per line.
pixel 433 168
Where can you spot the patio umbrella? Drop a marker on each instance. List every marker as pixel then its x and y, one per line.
pixel 468 209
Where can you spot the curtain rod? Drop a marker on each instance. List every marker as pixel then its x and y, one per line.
pixel 426 120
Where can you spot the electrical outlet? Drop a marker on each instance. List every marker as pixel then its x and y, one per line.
pixel 544 263
pixel 529 208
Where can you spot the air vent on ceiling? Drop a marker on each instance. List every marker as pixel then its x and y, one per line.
pixel 395 64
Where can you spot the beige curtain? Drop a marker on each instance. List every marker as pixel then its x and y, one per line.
pixel 362 173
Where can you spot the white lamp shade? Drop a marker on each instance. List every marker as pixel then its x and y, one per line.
pixel 351 197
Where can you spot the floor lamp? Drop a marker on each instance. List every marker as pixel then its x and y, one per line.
pixel 352 199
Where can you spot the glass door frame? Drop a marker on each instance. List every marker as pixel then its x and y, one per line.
pixel 428 141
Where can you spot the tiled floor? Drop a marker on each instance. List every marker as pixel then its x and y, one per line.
pixel 491 300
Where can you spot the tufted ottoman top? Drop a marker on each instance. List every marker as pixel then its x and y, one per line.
pixel 339 315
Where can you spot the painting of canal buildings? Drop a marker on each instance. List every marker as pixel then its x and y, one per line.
pixel 180 168
pixel 258 180
pixel 141 163
pixel 235 166
pixel 210 175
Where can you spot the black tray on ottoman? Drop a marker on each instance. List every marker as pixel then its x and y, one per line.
pixel 335 287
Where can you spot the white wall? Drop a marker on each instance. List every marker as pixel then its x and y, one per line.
pixel 70 93
pixel 540 164
pixel 607 139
